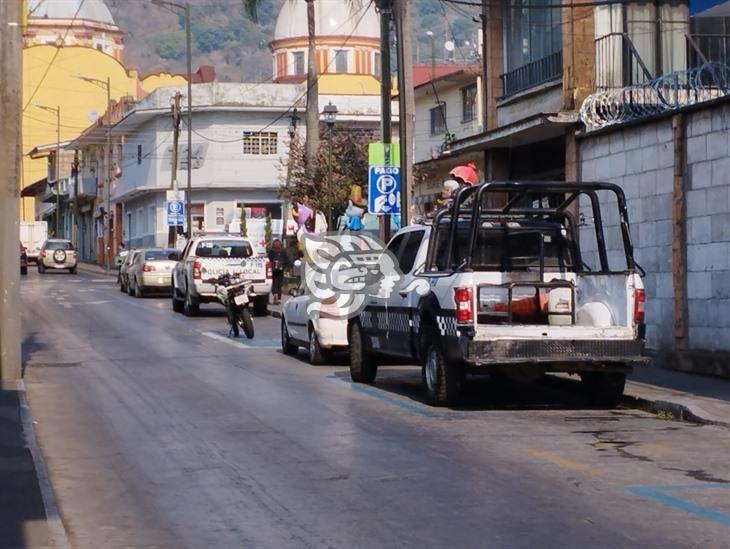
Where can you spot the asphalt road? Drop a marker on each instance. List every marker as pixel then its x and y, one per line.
pixel 158 431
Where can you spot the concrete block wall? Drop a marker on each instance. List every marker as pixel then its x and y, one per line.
pixel 708 228
pixel 641 161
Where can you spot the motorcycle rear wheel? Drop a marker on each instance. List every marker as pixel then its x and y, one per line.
pixel 233 321
pixel 247 323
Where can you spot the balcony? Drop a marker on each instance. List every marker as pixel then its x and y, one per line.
pixel 85 187
pixel 533 74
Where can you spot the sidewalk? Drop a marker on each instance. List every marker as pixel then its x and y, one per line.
pixel 28 516
pixel 93 268
pixel 694 397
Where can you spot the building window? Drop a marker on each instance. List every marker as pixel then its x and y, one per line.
pixel 197 212
pixel 341 61
pixel 298 57
pixel 260 143
pixel 469 103
pixel 438 119
pixel 139 154
pixel 152 217
pixel 532 45
pixel 220 217
pixel 377 64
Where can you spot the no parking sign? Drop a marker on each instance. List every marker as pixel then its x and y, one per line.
pixel 384 190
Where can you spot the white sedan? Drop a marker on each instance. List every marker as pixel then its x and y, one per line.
pixel 319 334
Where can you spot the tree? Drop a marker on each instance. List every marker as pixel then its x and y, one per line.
pixel 170 45
pixel 341 161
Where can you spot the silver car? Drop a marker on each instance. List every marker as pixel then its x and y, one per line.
pixel 151 270
pixel 57 254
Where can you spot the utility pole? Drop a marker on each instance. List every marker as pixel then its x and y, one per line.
pixel 189 53
pixel 109 175
pixel 10 109
pixel 57 164
pixel 406 104
pixel 385 8
pixel 312 112
pixel 172 230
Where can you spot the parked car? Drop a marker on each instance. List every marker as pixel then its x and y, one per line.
pixel 23 260
pixel 151 269
pixel 210 256
pixel 122 278
pixel 320 335
pixel 510 290
pixel 57 254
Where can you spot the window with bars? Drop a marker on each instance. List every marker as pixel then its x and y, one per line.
pixel 260 143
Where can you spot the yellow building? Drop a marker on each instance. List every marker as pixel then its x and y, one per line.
pixel 66 39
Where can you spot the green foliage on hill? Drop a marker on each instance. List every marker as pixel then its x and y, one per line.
pixel 224 37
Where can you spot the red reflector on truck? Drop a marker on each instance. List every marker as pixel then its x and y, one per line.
pixel 464 305
pixel 639 302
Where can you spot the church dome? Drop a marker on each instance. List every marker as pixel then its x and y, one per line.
pixel 355 18
pixel 82 10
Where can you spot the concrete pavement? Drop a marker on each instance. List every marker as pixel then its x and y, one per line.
pixel 160 431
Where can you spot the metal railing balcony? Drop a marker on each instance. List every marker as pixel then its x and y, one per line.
pixel 533 74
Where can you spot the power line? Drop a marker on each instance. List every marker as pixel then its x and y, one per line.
pixel 55 55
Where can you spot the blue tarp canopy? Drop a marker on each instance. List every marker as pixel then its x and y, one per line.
pixel 717 8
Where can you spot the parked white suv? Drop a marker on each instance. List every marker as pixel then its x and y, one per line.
pixel 209 256
pixel 57 254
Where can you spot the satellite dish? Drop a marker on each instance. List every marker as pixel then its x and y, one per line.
pixel 93 116
pixel 449 45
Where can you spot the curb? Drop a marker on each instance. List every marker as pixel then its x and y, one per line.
pixel 95 270
pixel 56 528
pixel 675 410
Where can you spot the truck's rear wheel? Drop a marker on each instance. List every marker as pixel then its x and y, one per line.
pixel 177 303
pixel 605 389
pixel 191 307
pixel 442 380
pixel 363 369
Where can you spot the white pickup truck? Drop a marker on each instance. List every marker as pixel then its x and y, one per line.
pixel 207 257
pixel 508 289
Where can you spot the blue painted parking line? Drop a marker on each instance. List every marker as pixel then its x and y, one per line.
pixel 385 397
pixel 660 494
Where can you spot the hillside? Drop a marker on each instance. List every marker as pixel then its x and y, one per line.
pixel 238 48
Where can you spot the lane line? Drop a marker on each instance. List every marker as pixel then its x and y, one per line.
pixel 563 462
pixel 658 494
pixel 235 343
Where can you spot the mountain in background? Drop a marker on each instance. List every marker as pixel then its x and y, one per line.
pixel 238 48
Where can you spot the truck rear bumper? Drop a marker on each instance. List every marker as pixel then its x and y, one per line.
pixel 628 352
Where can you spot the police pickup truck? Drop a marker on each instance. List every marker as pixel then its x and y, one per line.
pixel 521 278
pixel 209 256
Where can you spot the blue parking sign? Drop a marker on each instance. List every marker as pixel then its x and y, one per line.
pixel 384 190
pixel 175 212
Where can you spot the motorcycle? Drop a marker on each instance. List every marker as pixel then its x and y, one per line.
pixel 234 293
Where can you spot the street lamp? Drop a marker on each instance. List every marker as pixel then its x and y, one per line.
pixel 106 85
pixel 330 115
pixel 57 111
pixel 176 8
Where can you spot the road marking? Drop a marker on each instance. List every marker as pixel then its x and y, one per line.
pixel 385 397
pixel 562 462
pixel 659 494
pixel 235 343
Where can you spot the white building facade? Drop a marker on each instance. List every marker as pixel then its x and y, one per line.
pixel 240 146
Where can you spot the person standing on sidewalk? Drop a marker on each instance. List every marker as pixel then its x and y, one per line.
pixel 277 256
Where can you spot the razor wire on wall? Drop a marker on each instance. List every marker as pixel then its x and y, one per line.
pixel 666 93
